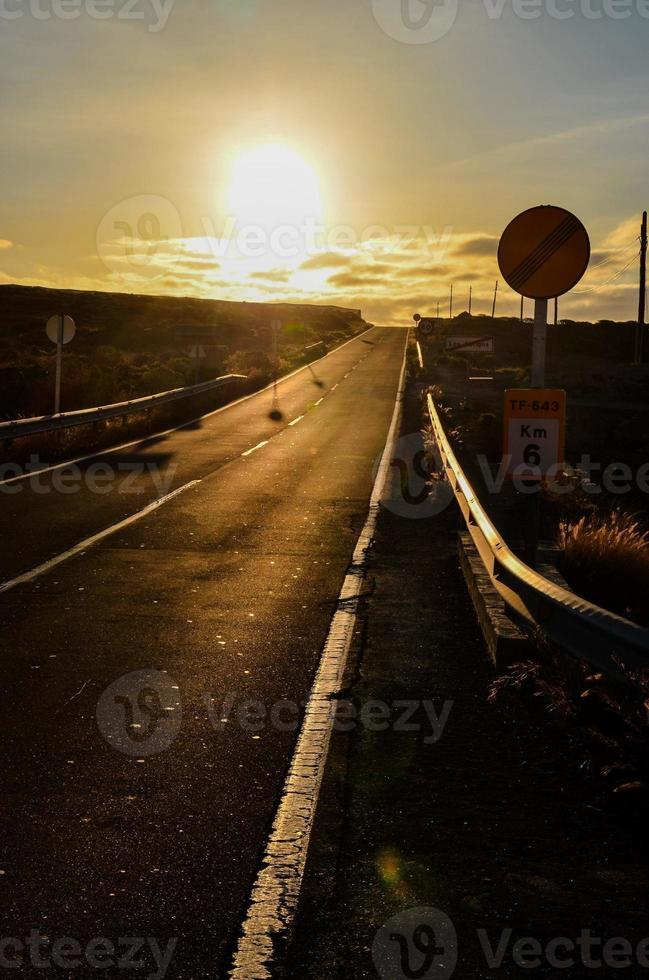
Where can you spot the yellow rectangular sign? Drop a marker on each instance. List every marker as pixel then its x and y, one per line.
pixel 534 432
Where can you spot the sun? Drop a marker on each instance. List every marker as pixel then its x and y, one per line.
pixel 272 185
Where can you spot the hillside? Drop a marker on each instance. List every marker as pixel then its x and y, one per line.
pixel 129 345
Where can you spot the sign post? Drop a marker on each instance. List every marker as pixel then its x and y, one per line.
pixel 60 329
pixel 542 254
pixel 275 327
pixel 539 341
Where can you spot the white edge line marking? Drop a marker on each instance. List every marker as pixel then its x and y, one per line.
pixel 94 539
pixel 100 453
pixel 255 448
pixel 295 421
pixel 276 890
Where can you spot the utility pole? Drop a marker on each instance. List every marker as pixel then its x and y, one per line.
pixel 470 298
pixel 450 304
pixel 522 309
pixel 640 329
pixel 493 307
pixel 556 310
pixel 438 309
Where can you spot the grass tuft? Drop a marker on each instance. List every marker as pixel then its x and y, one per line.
pixel 606 560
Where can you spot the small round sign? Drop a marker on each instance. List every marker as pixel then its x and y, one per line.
pixel 426 326
pixel 416 317
pixel 544 252
pixel 53 327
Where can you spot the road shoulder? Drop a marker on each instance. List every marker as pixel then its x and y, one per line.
pixel 492 824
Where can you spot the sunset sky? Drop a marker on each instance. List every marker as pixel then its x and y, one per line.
pixel 137 151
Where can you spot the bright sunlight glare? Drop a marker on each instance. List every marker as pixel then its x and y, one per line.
pixel 273 185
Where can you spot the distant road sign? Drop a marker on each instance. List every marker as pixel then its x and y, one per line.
pixel 60 329
pixel 534 432
pixel 544 252
pixel 53 326
pixel 426 326
pixel 471 345
pixel 416 317
pixel 197 351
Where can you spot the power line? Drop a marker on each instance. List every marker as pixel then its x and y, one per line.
pixel 594 289
pixel 619 254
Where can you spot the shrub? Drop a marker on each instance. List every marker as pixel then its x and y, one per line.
pixel 606 560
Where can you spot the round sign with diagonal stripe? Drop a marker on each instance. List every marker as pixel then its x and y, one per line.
pixel 544 252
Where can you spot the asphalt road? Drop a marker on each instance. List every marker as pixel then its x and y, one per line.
pixel 137 811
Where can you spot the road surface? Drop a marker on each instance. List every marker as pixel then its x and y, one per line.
pixel 147 818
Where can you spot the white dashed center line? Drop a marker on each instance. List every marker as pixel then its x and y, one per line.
pixel 295 421
pixel 320 400
pixel 254 448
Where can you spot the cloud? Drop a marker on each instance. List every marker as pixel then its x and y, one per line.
pixel 361 276
pixel 625 234
pixel 197 263
pixel 326 260
pixel 347 280
pixel 272 275
pixel 478 245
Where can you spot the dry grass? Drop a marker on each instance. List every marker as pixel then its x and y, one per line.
pixel 606 560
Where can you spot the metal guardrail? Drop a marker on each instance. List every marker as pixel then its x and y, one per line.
pixel 90 416
pixel 578 627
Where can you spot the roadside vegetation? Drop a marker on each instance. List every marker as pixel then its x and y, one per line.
pixel 128 346
pixel 606 560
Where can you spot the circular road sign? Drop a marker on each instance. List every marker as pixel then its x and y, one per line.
pixel 544 252
pixel 416 317
pixel 426 326
pixel 52 328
